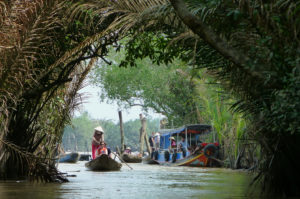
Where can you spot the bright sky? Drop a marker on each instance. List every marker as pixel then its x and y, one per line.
pixel 102 110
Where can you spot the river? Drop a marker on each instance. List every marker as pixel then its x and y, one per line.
pixel 143 181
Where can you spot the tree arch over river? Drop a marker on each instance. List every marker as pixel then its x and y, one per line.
pixel 48 47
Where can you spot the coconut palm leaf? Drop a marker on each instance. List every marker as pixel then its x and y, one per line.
pixel 39 24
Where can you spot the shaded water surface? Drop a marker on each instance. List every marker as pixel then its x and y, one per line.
pixel 144 181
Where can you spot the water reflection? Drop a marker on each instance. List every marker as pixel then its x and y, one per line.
pixel 144 181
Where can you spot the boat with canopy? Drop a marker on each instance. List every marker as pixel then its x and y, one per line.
pixel 192 150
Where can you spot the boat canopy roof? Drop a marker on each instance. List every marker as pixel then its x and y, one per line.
pixel 197 129
pixel 192 128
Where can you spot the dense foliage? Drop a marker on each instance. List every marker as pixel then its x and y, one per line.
pixel 251 47
pixel 78 135
pixel 39 80
pixel 148 85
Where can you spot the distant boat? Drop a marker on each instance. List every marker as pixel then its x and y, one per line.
pixel 130 158
pixel 69 157
pixel 197 154
pixel 103 163
pixel 148 160
pixel 85 157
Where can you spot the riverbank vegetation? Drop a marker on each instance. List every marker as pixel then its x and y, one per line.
pixel 77 136
pixel 250 48
pixel 39 81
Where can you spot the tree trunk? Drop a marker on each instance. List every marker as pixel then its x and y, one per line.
pixel 142 133
pixel 121 131
pixel 148 144
pixel 237 164
pixel 118 150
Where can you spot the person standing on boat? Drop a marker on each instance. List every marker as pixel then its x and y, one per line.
pixel 173 145
pixel 151 142
pixel 98 137
pixel 183 145
pixel 102 150
pixel 156 141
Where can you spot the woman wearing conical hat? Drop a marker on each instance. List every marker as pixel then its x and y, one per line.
pixel 98 137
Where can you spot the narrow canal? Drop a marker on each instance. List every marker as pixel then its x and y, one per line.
pixel 143 181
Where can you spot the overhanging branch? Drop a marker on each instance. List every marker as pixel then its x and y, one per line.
pixel 198 27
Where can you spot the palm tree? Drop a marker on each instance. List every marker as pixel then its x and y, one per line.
pixel 39 83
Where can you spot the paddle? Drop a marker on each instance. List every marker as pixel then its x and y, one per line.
pixel 122 160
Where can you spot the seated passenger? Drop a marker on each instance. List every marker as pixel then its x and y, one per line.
pixel 127 150
pixel 102 150
pixel 199 147
pixel 108 150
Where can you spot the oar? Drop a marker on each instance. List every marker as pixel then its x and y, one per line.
pixel 122 160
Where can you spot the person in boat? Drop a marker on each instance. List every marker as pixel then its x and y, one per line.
pixel 156 141
pixel 98 137
pixel 108 149
pixel 199 145
pixel 172 150
pixel 173 145
pixel 101 150
pixel 127 150
pixel 183 146
pixel 151 142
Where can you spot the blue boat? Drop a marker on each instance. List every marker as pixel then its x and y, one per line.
pixel 193 151
pixel 69 158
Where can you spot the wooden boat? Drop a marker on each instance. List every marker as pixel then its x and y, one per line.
pixel 103 163
pixel 198 153
pixel 85 157
pixel 148 160
pixel 130 158
pixel 69 158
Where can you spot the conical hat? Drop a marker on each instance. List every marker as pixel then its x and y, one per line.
pixel 99 128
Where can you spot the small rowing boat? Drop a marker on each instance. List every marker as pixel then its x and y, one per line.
pixel 85 157
pixel 103 163
pixel 130 158
pixel 149 160
pixel 69 157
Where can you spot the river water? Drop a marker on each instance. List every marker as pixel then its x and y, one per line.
pixel 143 181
